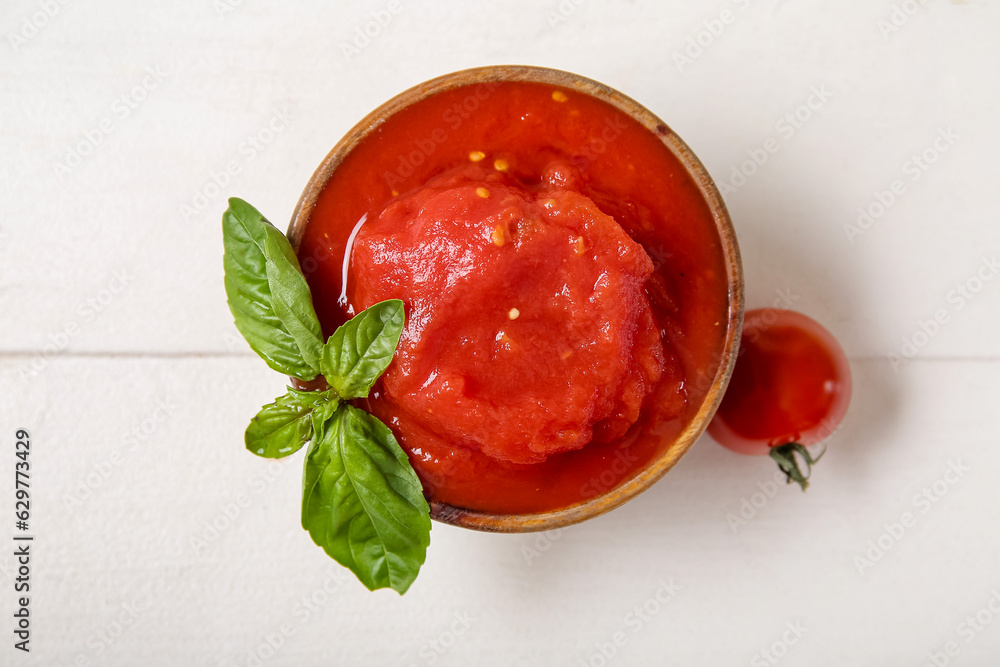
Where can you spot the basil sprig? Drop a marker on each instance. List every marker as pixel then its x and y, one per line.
pixel 362 501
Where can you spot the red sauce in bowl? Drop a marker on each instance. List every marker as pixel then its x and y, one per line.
pixel 565 287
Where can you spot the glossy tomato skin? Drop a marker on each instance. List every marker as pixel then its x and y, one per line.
pixel 791 383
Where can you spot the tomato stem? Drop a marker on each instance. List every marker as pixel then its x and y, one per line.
pixel 785 456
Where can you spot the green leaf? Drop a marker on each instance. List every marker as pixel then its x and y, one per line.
pixel 360 350
pixel 248 291
pixel 283 427
pixel 323 412
pixel 362 502
pixel 291 298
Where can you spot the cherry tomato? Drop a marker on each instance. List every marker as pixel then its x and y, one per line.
pixel 790 389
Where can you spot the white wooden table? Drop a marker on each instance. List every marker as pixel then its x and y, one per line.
pixel 123 128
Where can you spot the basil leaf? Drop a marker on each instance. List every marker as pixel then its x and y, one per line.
pixel 323 412
pixel 290 296
pixel 362 502
pixel 282 427
pixel 248 292
pixel 360 350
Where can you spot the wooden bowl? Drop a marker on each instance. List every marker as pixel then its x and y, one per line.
pixel 657 467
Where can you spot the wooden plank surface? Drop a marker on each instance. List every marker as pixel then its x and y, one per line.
pixel 118 353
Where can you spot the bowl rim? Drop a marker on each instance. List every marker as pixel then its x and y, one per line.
pixel 659 466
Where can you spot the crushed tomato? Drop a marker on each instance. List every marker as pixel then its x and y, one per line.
pixel 565 291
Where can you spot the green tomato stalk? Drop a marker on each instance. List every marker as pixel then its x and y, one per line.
pixel 789 464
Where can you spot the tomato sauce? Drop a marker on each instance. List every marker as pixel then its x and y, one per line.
pixel 565 289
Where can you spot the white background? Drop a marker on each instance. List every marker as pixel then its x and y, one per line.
pixel 137 414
